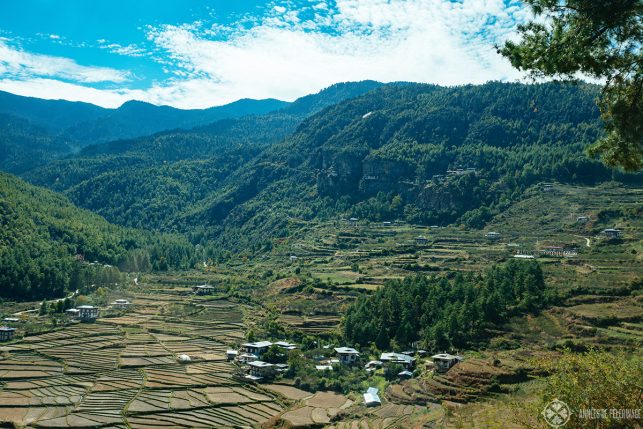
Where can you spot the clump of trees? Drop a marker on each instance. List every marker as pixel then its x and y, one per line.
pixel 443 313
pixel 601 39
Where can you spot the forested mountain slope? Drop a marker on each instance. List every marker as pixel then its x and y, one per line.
pixel 147 182
pixel 23 145
pixel 395 152
pixel 44 238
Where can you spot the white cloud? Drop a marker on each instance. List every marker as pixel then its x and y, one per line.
pixel 296 49
pixel 130 50
pixel 20 64
pixel 285 56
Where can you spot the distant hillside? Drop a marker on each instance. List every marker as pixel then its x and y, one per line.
pixel 83 124
pixel 421 153
pixel 146 182
pixel 43 235
pixel 23 145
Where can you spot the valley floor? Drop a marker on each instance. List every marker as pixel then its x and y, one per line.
pixel 124 370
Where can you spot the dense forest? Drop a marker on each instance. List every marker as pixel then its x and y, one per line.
pixel 442 313
pixel 49 247
pixel 421 153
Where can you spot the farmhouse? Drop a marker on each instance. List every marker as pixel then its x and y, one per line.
pixel 121 304
pixel 285 345
pixel 403 359
pixel 547 187
pixel 87 313
pixel 523 256
pixel 231 354
pixel 73 312
pixel 257 348
pixel 552 251
pixel 260 370
pixel 386 223
pixel 405 374
pixel 611 233
pixel 421 240
pixel 582 219
pixel 493 235
pixel 293 258
pixel 347 355
pixel 203 290
pixel 6 333
pixel 371 397
pixel 444 361
pixel 246 357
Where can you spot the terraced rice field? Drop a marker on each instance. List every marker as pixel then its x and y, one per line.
pixel 123 371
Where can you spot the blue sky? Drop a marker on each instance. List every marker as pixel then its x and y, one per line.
pixel 195 53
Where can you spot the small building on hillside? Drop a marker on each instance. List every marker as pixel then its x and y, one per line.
pixel 257 348
pixel 347 355
pixel 582 219
pixel 353 221
pixel 88 313
pixel 231 355
pixel 444 361
pixel 387 224
pixel 493 236
pixel 524 256
pixel 556 251
pixel 260 370
pixel 6 333
pixel 612 233
pixel 203 289
pixel 293 258
pixel 421 240
pixel 372 397
pixel 547 187
pixel 246 357
pixel 121 304
pixel 285 345
pixel 73 312
pixel 398 358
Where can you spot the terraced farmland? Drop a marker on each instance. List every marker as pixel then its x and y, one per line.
pixel 123 371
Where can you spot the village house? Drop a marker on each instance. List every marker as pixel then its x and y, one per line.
pixel 73 312
pixel 347 355
pixel 582 219
pixel 398 358
pixel 387 223
pixel 612 233
pixel 6 333
pixel 547 187
pixel 444 361
pixel 246 357
pixel 552 251
pixel 293 258
pixel 421 240
pixel 203 290
pixel 524 256
pixel 121 304
pixel 353 221
pixel 257 348
pixel 87 313
pixel 371 397
pixel 285 345
pixel 493 236
pixel 231 354
pixel 260 370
